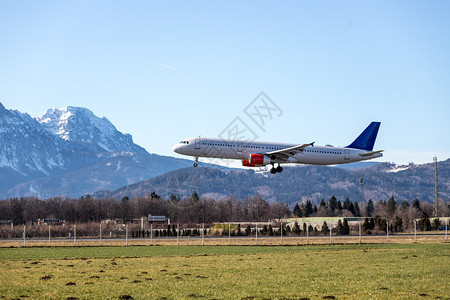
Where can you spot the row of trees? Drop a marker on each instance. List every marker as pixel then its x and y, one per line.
pixel 335 208
pixel 195 210
pixel 400 215
pixel 332 208
pixel 188 210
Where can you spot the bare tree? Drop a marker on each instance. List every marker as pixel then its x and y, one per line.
pixel 279 210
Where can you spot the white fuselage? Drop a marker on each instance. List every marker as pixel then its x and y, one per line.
pixel 228 149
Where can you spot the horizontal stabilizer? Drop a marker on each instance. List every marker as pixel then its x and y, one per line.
pixel 371 153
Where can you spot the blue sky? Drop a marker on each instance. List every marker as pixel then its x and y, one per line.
pixel 166 70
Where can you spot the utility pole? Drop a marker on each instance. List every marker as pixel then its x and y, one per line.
pixel 435 190
pixel 361 181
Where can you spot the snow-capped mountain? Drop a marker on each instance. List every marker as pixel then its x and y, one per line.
pixel 79 124
pixel 26 147
pixel 70 152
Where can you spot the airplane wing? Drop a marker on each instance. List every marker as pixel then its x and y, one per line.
pixel 285 153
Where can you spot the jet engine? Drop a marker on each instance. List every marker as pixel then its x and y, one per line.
pixel 259 159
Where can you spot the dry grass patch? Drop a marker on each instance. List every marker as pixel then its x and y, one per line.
pixel 314 272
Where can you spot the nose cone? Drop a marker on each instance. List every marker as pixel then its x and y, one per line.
pixel 176 148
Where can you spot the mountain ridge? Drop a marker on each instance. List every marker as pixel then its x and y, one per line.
pixel 296 183
pixel 79 124
pixel 68 152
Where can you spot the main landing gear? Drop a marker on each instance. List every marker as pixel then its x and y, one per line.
pixel 196 162
pixel 277 169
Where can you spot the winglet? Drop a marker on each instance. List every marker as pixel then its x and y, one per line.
pixel 366 139
pixel 312 144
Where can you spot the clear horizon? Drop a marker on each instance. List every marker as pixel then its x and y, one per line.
pixel 166 71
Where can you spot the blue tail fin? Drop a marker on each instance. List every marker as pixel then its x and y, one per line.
pixel 366 139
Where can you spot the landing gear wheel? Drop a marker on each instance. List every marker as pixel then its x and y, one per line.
pixel 273 170
pixel 196 162
pixel 279 169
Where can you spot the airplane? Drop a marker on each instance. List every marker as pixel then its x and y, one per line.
pixel 257 154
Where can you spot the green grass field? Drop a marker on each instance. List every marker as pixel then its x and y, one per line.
pixel 384 271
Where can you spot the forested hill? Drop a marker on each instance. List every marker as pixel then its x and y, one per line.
pixel 296 183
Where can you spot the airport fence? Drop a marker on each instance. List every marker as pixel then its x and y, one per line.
pixel 241 233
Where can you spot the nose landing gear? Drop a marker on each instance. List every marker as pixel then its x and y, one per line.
pixel 196 162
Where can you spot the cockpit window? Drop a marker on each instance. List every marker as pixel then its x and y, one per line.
pixel 184 142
